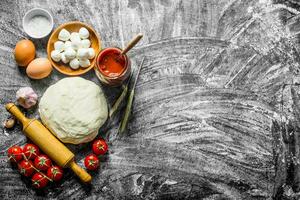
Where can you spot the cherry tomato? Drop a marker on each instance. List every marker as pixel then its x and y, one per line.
pixel 39 180
pixel 55 173
pixel 26 168
pixel 31 151
pixel 100 147
pixel 15 154
pixel 42 162
pixel 91 162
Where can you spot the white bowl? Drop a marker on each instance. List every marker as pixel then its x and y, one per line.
pixel 35 30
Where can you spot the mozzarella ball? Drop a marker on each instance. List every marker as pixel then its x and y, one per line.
pixel 84 63
pixel 63 58
pixel 70 53
pixel 59 45
pixel 56 55
pixel 75 37
pixel 84 33
pixel 68 44
pixel 85 43
pixel 64 35
pixel 82 53
pixel 75 45
pixel 74 63
pixel 91 53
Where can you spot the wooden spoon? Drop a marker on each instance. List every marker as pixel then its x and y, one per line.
pixel 132 43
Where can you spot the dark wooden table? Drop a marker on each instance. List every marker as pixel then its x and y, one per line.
pixel 216 112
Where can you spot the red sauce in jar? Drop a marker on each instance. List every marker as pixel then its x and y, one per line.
pixel 111 63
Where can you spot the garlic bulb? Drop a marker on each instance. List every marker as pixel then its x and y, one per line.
pixel 26 97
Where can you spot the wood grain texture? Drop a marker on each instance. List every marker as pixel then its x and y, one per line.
pixel 216 109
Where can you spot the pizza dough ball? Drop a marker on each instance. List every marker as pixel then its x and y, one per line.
pixel 56 55
pixel 74 109
pixel 64 59
pixel 75 37
pixel 82 53
pixel 76 44
pixel 70 53
pixel 59 45
pixel 64 35
pixel 85 43
pixel 91 53
pixel 68 44
pixel 74 63
pixel 84 63
pixel 84 33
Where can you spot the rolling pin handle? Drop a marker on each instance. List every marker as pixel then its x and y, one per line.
pixel 81 173
pixel 14 110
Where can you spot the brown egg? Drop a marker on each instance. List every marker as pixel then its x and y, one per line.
pixel 24 52
pixel 39 68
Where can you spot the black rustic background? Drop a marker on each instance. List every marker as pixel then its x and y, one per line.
pixel 216 113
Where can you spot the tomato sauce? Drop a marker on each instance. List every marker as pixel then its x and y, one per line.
pixel 112 68
pixel 111 63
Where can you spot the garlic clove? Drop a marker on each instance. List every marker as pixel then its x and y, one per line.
pixel 9 123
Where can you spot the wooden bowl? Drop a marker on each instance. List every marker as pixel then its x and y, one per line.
pixel 73 27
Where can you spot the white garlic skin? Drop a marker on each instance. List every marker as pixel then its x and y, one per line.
pixel 85 43
pixel 64 35
pixel 59 46
pixel 70 53
pixel 26 97
pixel 91 53
pixel 56 55
pixel 84 63
pixel 82 53
pixel 84 33
pixel 74 64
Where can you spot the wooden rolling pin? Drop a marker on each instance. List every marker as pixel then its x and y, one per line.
pixel 48 143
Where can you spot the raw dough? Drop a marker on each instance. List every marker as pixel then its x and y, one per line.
pixel 74 109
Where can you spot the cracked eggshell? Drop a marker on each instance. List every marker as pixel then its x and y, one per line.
pixel 56 55
pixel 64 35
pixel 84 63
pixel 84 33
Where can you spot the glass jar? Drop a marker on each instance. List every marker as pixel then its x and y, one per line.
pixel 111 67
